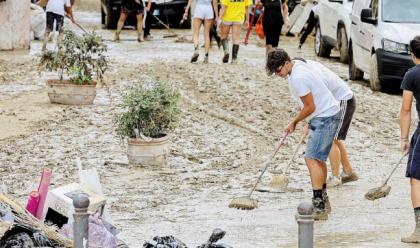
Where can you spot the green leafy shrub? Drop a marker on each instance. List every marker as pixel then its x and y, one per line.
pixel 81 58
pixel 151 107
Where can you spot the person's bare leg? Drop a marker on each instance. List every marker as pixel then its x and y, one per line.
pixel 347 168
pixel 45 41
pixel 120 25
pixel 268 48
pixel 335 158
pixel 207 27
pixel 316 172
pixel 224 33
pixel 415 200
pixel 196 32
pixel 139 27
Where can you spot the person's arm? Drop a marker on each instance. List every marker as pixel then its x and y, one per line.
pixel 149 5
pixel 307 110
pixel 185 17
pixel 222 11
pixel 247 11
pixel 216 10
pixel 405 119
pixel 69 12
pixel 286 14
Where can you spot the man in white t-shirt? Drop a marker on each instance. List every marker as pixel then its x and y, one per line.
pixel 319 105
pixel 338 154
pixel 56 10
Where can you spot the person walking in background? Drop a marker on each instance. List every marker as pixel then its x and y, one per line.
pixel 129 7
pixel 411 87
pixel 151 5
pixel 233 15
pixel 275 15
pixel 56 9
pixel 307 87
pixel 205 12
pixel 310 24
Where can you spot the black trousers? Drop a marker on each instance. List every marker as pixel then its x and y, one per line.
pixel 148 20
pixel 311 24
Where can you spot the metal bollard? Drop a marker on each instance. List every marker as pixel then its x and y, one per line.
pixel 306 225
pixel 81 221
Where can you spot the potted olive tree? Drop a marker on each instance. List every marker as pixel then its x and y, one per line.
pixel 78 61
pixel 151 112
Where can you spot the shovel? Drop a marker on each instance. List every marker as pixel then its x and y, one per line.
pixel 384 189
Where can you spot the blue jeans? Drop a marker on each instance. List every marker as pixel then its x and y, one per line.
pixel 321 136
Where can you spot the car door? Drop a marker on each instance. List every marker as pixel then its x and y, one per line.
pixel 363 37
pixel 331 18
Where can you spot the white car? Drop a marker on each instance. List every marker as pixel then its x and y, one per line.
pixel 380 33
pixel 333 27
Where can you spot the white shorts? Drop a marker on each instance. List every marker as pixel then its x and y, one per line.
pixel 203 12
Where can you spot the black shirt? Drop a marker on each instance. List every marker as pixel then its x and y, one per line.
pixel 272 11
pixel 411 82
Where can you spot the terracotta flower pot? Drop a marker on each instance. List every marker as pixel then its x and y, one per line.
pixel 153 152
pixel 66 92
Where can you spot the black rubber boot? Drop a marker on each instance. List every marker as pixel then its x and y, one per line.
pixel 235 49
pixel 225 45
pixel 194 58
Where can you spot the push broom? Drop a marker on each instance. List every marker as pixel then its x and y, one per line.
pixel 246 202
pixel 384 189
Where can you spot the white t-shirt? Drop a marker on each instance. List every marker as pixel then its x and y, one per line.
pixel 334 83
pixel 304 80
pixel 57 6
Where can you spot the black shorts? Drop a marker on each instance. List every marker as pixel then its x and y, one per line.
pixel 272 33
pixel 59 22
pixel 132 9
pixel 413 164
pixel 347 110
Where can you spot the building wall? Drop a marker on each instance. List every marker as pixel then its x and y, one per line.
pixel 15 19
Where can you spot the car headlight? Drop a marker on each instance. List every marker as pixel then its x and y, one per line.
pixel 394 47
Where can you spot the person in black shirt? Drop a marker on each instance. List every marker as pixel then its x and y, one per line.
pixel 275 15
pixel 411 87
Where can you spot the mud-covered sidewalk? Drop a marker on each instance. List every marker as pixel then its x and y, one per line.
pixel 231 117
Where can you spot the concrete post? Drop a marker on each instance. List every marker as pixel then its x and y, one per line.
pixel 306 225
pixel 81 221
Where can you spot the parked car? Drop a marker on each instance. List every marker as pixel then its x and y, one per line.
pixel 380 33
pixel 169 11
pixel 333 27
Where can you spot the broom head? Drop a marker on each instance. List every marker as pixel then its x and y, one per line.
pixel 379 192
pixel 279 181
pixel 245 203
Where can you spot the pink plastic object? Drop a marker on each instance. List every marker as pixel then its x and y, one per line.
pixel 43 191
pixel 33 201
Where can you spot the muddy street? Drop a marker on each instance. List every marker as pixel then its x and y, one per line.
pixel 231 117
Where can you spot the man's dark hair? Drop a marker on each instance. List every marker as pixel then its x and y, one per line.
pixel 415 46
pixel 275 59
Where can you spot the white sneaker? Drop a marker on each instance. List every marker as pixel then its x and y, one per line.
pixel 333 181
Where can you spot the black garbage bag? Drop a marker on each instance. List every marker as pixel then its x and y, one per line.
pixel 19 240
pixel 164 242
pixel 215 236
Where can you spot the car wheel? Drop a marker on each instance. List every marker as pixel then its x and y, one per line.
pixel 343 46
pixel 354 73
pixel 375 83
pixel 321 49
